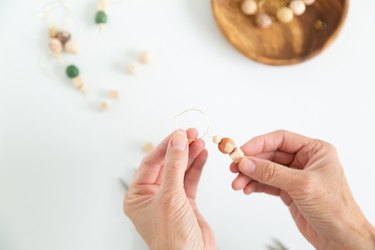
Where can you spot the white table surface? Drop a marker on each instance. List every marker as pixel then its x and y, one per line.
pixel 60 160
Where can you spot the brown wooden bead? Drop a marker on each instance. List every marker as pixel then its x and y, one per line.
pixel 226 146
pixel 63 36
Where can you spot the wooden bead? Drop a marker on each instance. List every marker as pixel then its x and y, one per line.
pixel 226 146
pixel 145 57
pixel 263 21
pixel 148 147
pixel 52 32
pixel 114 94
pixel 298 7
pixel 216 139
pixel 79 84
pixel 103 106
pixel 237 155
pixel 63 36
pixel 284 15
pixel 249 7
pixel 309 2
pixel 71 47
pixel 55 45
pixel 132 68
pixel 102 5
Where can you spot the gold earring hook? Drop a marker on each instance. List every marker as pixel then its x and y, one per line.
pixel 45 13
pixel 206 132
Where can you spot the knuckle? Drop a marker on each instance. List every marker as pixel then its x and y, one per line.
pixel 281 131
pixel 269 172
pixel 307 187
pixel 178 164
pixel 169 200
pixel 308 184
pixel 327 148
pixel 127 209
pixel 331 148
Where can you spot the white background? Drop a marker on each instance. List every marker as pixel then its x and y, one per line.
pixel 60 159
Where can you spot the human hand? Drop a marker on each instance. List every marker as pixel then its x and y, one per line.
pixel 161 200
pixel 309 178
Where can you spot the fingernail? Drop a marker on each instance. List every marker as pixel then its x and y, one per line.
pixel 247 166
pixel 179 141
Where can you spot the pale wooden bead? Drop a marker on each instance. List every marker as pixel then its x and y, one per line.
pixel 216 139
pixel 237 155
pixel 55 46
pixel 226 145
pixel 148 147
pixel 309 2
pixel 52 32
pixel 103 106
pixel 263 21
pixel 284 15
pixel 102 5
pixel 249 7
pixel 79 84
pixel 298 7
pixel 84 90
pixel 132 68
pixel 72 47
pixel 114 94
pixel 145 57
pixel 101 26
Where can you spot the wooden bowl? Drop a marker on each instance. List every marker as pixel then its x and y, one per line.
pixel 281 44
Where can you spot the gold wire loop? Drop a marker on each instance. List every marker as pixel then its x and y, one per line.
pixel 206 132
pixel 45 13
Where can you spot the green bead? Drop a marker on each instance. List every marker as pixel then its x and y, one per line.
pixel 101 17
pixel 72 71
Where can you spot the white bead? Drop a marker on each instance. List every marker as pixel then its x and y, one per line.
pixel 216 139
pixel 298 7
pixel 309 2
pixel 72 47
pixel 284 15
pixel 145 57
pixel 237 155
pixel 132 68
pixel 249 7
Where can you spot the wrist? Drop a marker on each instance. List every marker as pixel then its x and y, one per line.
pixel 359 235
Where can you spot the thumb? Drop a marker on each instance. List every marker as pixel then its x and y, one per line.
pixel 271 173
pixel 176 161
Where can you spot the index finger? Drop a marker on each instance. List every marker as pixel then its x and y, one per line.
pixel 281 140
pixel 151 165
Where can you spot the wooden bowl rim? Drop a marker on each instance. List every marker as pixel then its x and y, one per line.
pixel 285 62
